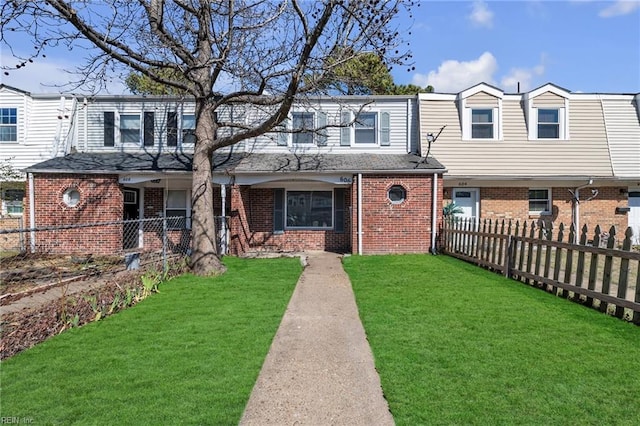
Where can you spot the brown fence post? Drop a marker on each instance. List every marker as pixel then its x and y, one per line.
pixel 580 267
pixel 558 263
pixel 568 269
pixel 547 258
pixel 623 278
pixel 593 267
pixel 606 275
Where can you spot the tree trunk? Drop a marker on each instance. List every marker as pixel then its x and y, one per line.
pixel 204 257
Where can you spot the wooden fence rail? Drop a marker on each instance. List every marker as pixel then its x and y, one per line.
pixel 602 272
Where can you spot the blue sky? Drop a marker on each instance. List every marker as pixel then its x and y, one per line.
pixel 587 46
pixel 583 46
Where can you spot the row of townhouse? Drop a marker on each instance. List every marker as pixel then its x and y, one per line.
pixel 373 180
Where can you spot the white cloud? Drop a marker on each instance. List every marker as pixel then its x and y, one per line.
pixel 46 76
pixel 481 16
pixel 36 77
pixel 522 76
pixel 453 76
pixel 620 7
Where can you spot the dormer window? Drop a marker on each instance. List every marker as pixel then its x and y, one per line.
pixel 547 113
pixel 548 124
pixel 480 109
pixel 482 124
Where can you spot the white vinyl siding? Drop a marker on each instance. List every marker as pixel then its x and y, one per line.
pixel 42 127
pixel 402 128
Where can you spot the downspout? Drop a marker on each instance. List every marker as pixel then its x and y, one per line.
pixel 434 214
pixel 85 103
pixel 223 231
pixel 32 213
pixel 359 213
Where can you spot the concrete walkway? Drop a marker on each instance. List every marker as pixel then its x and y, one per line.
pixel 319 370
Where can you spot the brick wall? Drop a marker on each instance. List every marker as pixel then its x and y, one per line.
pixel 252 226
pixel 513 203
pixel 396 228
pixel 101 200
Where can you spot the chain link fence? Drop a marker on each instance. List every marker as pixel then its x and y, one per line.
pixel 33 256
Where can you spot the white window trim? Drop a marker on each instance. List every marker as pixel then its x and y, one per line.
pixel 377 134
pixel 467 121
pixel 118 136
pixel 562 126
pixel 17 126
pixel 302 228
pixel 314 141
pixel 549 202
pixel 181 128
pixel 187 206
pixel 532 120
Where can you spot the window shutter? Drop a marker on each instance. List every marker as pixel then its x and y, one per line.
pixel 385 139
pixel 278 211
pixel 345 132
pixel 339 194
pixel 148 129
pixel 283 137
pixel 322 133
pixel 109 129
pixel 172 128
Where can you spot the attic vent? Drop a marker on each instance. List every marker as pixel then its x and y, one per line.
pixel 130 197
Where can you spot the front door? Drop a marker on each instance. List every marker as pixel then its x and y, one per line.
pixel 634 215
pixel 467 200
pixel 131 212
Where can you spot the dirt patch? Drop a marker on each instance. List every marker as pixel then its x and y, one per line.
pixel 110 293
pixel 23 272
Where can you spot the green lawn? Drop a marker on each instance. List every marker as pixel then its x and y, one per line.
pixel 188 355
pixel 455 344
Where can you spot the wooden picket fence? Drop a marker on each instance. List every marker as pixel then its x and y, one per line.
pixel 600 272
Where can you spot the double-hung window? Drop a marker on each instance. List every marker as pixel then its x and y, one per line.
pixel 130 128
pixel 188 129
pixel 482 123
pixel 539 201
pixel 8 125
pixel 178 209
pixel 309 209
pixel 365 128
pixel 548 123
pixel 12 201
pixel 302 126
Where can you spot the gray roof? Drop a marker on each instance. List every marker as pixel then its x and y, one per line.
pixel 365 163
pixel 120 162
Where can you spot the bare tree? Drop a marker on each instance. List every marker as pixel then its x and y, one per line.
pixel 254 52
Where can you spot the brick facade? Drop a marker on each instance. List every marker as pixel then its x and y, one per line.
pixel 396 228
pixel 405 227
pixel 252 226
pixel 513 203
pixel 101 200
